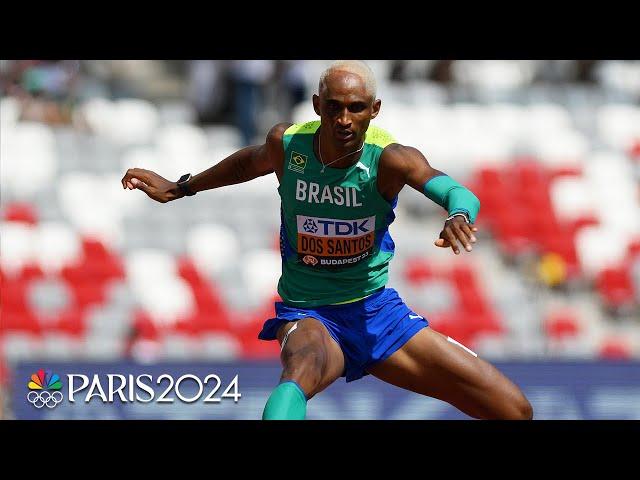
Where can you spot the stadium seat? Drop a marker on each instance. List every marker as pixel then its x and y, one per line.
pixel 28 151
pixel 20 346
pixel 615 287
pixel 571 198
pixel 261 271
pixel 102 349
pixel 17 246
pixel 55 245
pixel 618 125
pixel 220 346
pixel 212 247
pixel 60 347
pixel 615 349
pixel 598 248
pixel 562 324
pixel 20 212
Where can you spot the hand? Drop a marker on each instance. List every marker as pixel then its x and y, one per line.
pixel 457 230
pixel 156 187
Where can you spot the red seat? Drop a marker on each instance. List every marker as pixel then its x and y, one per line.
pixel 418 270
pixel 70 322
pixel 562 324
pixel 30 272
pixel 255 349
pixel 94 249
pixel 145 327
pixel 19 322
pixel 452 324
pixel 89 294
pixel 14 296
pixel 615 287
pixel 20 212
pixel 633 249
pixel 615 349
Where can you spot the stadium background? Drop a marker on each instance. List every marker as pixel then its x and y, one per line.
pixel 98 279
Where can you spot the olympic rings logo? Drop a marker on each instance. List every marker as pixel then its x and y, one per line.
pixel 44 398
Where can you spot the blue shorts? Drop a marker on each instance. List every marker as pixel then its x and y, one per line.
pixel 368 331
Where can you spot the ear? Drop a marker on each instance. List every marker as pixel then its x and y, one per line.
pixel 376 108
pixel 316 104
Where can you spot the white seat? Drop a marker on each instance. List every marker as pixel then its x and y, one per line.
pixel 181 139
pixel 621 76
pixel 571 198
pixel 49 296
pixel 492 346
pixel 144 157
pixel 561 148
pixel 619 125
pixel 102 348
pixel 212 247
pixel 433 296
pixel 20 347
pixel 179 347
pixel 28 151
pixel 219 346
pixel 9 111
pixel 100 114
pixel 136 121
pixel 108 323
pixel 598 248
pixel 16 246
pixel 56 245
pixel 60 347
pixel 176 111
pixel 82 199
pixel 166 299
pixel 223 136
pixel 154 280
pixel 261 269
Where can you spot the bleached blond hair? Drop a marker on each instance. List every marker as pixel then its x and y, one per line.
pixel 357 67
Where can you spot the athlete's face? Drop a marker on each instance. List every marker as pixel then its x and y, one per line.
pixel 344 106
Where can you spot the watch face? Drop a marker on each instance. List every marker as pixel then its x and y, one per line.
pixel 184 177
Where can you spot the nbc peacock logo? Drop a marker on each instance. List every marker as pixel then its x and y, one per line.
pixel 44 389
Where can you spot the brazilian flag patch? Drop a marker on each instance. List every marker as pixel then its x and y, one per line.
pixel 297 162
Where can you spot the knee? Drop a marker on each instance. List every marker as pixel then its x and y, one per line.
pixel 520 408
pixel 305 366
pixel 526 410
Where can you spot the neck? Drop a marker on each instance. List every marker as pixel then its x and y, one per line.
pixel 330 152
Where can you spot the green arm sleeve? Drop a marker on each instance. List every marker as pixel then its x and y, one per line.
pixel 452 196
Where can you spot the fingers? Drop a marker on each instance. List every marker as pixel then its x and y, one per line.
pixel 462 237
pixel 450 236
pixel 140 185
pixel 466 229
pixel 135 178
pixel 442 243
pixel 457 233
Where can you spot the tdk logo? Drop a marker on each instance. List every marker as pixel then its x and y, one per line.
pixel 330 227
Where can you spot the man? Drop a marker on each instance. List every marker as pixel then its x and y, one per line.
pixel 339 182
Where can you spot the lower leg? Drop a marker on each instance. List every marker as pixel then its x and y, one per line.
pixel 312 360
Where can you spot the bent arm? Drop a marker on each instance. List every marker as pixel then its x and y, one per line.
pixel 403 165
pixel 400 165
pixel 242 166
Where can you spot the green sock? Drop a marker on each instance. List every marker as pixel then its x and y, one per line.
pixel 287 402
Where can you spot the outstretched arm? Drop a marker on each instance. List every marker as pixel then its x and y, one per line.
pixel 242 166
pixel 401 165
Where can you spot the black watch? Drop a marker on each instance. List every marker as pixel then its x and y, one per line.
pixel 183 185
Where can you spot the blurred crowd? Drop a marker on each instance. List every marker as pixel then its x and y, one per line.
pixel 552 148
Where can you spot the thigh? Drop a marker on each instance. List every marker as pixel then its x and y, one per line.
pixel 310 355
pixel 432 365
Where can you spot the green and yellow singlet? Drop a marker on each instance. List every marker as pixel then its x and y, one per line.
pixel 334 237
